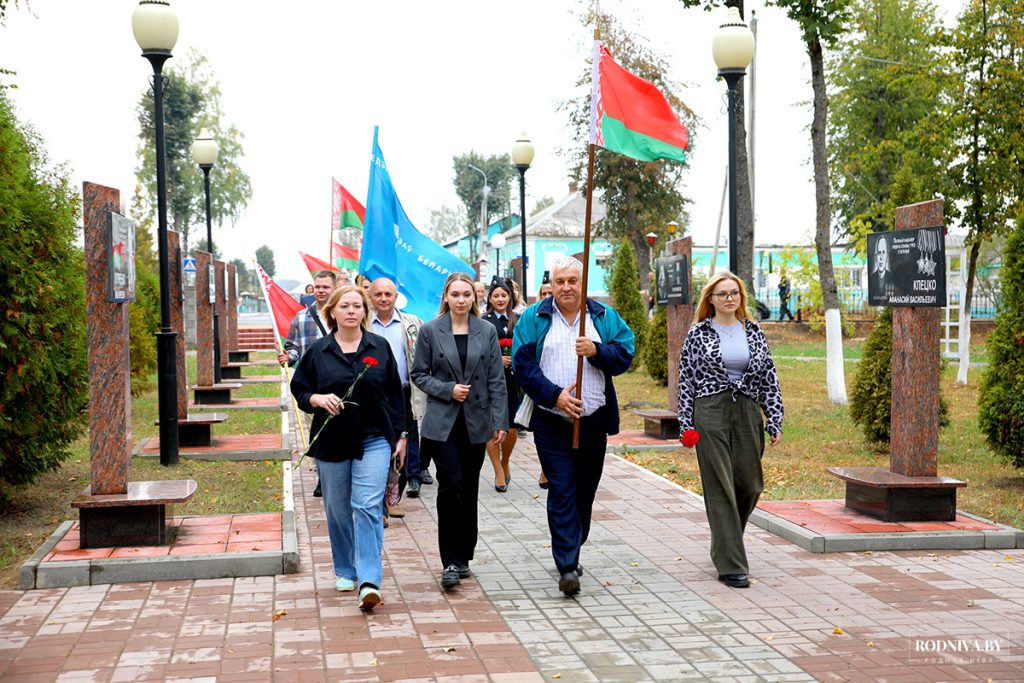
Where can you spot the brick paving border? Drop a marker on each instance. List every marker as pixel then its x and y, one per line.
pixel 650 609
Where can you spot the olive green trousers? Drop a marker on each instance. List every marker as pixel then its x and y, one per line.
pixel 729 455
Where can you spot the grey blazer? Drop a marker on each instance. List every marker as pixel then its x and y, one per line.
pixel 436 369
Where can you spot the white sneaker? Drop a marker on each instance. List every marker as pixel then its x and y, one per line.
pixel 369 598
pixel 344 585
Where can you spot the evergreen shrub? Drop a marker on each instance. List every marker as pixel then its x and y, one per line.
pixel 656 346
pixel 43 364
pixel 624 286
pixel 871 398
pixel 1001 395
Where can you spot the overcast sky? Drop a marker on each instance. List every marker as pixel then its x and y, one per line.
pixel 306 83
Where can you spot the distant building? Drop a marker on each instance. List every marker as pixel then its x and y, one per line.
pixel 555 232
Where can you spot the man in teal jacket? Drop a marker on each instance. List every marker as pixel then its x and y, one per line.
pixel 545 347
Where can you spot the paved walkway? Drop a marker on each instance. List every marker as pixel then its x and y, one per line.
pixel 650 608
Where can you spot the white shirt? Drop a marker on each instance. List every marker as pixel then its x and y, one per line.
pixel 558 360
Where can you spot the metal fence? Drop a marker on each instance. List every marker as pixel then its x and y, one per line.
pixel 855 301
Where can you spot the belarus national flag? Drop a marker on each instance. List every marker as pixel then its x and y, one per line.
pixel 281 304
pixel 315 265
pixel 630 116
pixel 346 211
pixel 344 257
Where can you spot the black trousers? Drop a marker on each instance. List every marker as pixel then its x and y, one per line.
pixel 573 477
pixel 458 463
pixel 411 468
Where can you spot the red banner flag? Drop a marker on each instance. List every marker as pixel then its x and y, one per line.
pixel 281 304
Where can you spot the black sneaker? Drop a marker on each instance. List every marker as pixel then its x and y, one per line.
pixel 425 477
pixel 450 577
pixel 464 572
pixel 318 492
pixel 413 490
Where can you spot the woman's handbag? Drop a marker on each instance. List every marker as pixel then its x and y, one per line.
pixel 391 493
pixel 525 412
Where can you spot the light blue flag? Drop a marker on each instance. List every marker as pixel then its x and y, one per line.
pixel 394 248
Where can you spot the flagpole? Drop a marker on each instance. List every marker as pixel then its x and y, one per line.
pixel 280 350
pixel 583 299
pixel 330 233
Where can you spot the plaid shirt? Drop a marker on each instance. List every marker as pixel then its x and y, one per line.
pixel 301 334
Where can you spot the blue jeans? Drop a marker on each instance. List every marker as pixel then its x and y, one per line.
pixel 353 490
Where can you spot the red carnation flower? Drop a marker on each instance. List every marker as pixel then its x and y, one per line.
pixel 370 362
pixel 690 438
pixel 505 342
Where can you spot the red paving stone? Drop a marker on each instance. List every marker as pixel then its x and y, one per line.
pixel 637 437
pixel 833 517
pixel 227 442
pixel 298 628
pixel 195 536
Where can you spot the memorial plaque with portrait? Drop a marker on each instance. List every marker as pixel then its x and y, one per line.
pixel 212 279
pixel 673 278
pixel 907 268
pixel 121 259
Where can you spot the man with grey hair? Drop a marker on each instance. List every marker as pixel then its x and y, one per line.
pixel 401 330
pixel 546 345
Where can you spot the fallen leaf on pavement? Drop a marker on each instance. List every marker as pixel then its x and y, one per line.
pixel 278 614
pixel 838 631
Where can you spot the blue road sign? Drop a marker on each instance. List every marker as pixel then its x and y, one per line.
pixel 189 266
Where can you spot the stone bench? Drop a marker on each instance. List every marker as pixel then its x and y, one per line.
pixel 660 424
pixel 231 370
pixel 214 394
pixel 892 497
pixel 195 429
pixel 239 356
pixel 137 517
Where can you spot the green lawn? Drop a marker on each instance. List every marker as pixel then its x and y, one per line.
pixel 818 434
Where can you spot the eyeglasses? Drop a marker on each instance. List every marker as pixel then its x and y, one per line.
pixel 725 296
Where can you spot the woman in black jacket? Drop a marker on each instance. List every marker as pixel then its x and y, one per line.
pixel 501 302
pixel 349 381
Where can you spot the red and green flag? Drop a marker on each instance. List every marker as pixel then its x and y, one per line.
pixel 346 211
pixel 344 257
pixel 281 304
pixel 630 116
pixel 315 265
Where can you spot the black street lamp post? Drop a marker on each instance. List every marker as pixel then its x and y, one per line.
pixel 155 27
pixel 204 153
pixel 522 157
pixel 733 48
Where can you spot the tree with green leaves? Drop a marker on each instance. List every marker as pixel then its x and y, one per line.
pixel 246 277
pixel 639 197
pixel 144 312
pixel 265 257
pixel 446 224
pixel 1001 395
pixel 886 77
pixel 43 359
pixel 469 186
pixel 986 159
pixel 624 287
pixel 192 103
pixel 822 23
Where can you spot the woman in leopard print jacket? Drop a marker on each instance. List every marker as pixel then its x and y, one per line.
pixel 726 378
